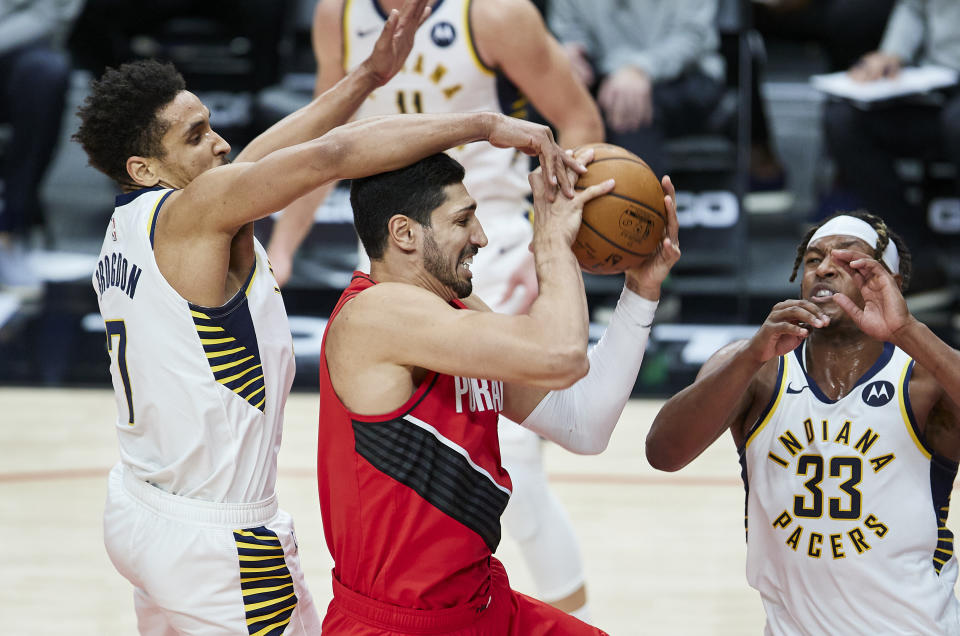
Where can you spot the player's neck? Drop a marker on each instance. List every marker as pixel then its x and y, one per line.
pixel 396 268
pixel 836 361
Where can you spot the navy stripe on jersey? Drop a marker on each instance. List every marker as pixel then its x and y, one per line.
pixel 383 14
pixel 122 199
pixel 156 213
pixel 943 472
pixel 267 586
pixel 904 389
pixel 746 492
pixel 781 370
pixel 230 343
pixel 419 460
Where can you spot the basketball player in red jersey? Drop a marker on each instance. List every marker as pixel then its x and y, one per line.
pixel 413 376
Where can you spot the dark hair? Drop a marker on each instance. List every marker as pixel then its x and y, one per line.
pixel 415 191
pixel 884 236
pixel 118 120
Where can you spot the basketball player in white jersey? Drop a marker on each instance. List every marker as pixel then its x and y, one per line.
pixel 845 411
pixel 200 349
pixel 468 56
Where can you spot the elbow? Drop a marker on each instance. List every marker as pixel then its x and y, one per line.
pixel 659 457
pixel 563 368
pixel 589 446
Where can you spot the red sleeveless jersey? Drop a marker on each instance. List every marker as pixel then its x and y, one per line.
pixel 411 500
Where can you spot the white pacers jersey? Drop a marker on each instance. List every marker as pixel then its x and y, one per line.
pixel 444 74
pixel 847 509
pixel 200 391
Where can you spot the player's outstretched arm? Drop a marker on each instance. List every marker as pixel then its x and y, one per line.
pixel 727 388
pixel 231 196
pixel 582 417
pixel 338 104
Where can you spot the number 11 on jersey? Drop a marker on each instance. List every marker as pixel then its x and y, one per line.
pixel 118 329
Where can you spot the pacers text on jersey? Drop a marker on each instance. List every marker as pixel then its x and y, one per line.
pixel 810 505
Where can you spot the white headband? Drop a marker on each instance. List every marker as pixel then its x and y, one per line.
pixel 858 228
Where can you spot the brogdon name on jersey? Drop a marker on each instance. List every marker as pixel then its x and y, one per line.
pixel 193 384
pixel 847 508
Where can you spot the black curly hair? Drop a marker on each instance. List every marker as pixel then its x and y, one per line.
pixel 884 236
pixel 118 120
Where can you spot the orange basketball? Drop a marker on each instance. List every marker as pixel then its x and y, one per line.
pixel 623 227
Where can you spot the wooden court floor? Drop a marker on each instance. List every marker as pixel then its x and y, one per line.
pixel 664 553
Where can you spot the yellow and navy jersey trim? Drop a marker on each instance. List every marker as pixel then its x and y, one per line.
pixel 885 356
pixel 269 598
pixel 345 35
pixel 906 411
pixel 152 227
pixel 943 472
pixel 767 414
pixel 471 42
pixel 229 341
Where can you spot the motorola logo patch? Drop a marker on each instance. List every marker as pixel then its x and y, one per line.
pixel 878 393
pixel 443 34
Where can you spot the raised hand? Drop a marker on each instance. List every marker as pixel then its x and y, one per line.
pixel 537 140
pixel 646 278
pixel 884 310
pixel 559 218
pixel 785 328
pixel 396 40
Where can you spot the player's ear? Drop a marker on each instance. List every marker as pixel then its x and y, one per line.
pixel 142 172
pixel 899 279
pixel 404 232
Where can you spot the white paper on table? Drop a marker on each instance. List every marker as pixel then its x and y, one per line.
pixel 909 81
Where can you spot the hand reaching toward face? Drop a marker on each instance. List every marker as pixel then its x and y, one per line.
pixel 884 311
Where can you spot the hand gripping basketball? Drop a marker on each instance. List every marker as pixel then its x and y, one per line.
pixel 624 227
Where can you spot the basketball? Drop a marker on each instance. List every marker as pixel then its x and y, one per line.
pixel 623 227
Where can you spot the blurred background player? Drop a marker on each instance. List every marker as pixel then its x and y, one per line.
pixel 654 66
pixel 34 75
pixel 468 56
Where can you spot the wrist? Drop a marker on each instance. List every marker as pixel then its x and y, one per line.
pixel 638 308
pixel 905 333
pixel 488 121
pixel 367 78
pixel 642 287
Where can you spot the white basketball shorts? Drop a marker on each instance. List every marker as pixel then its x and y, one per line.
pixel 205 568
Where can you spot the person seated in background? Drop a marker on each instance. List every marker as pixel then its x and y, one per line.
pixel 843 29
pixel 34 75
pixel 865 144
pixel 655 66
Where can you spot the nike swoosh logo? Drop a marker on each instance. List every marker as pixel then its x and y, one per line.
pixel 790 389
pixel 362 33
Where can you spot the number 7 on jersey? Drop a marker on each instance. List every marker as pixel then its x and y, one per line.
pixel 118 329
